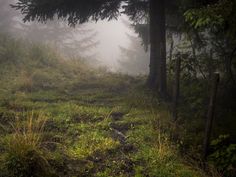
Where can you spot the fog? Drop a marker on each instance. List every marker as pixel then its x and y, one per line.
pixel 111 35
pixel 97 41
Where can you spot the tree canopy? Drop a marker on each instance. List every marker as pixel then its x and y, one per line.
pixel 79 11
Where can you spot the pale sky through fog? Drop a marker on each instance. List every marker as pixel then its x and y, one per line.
pixel 111 35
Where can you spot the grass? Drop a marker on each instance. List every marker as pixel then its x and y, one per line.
pixel 24 155
pixel 98 123
pixel 29 133
pixel 92 142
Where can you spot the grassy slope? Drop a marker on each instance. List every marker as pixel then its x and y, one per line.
pixel 99 124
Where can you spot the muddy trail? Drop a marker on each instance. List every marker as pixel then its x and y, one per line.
pixel 118 160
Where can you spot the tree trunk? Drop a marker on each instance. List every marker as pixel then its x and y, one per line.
pixel 210 113
pixel 176 88
pixel 157 75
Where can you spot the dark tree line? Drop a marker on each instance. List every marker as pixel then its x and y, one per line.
pixel 161 16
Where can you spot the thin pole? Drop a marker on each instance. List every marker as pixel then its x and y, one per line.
pixel 210 113
pixel 176 88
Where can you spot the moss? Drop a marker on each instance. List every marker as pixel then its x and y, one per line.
pixel 90 143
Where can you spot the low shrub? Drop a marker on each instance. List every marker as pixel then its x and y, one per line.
pixel 224 155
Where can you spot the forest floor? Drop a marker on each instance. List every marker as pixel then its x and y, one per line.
pixel 95 130
pixel 62 118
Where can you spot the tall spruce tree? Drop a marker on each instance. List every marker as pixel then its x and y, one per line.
pixel 80 11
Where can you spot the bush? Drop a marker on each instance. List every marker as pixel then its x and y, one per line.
pixel 224 155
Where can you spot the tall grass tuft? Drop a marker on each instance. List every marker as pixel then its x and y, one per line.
pixel 25 156
pixel 28 133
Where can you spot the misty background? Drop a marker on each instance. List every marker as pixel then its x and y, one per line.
pixel 112 44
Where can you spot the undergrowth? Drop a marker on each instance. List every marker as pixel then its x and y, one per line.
pixel 85 121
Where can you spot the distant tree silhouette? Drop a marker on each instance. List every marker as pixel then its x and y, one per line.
pixel 72 42
pixel 134 58
pixel 56 32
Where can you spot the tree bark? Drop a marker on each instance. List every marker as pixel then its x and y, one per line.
pixel 176 88
pixel 157 75
pixel 210 114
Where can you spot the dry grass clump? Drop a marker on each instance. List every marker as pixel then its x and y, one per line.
pixel 24 153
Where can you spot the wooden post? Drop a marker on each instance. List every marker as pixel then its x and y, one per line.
pixel 176 88
pixel 210 65
pixel 210 114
